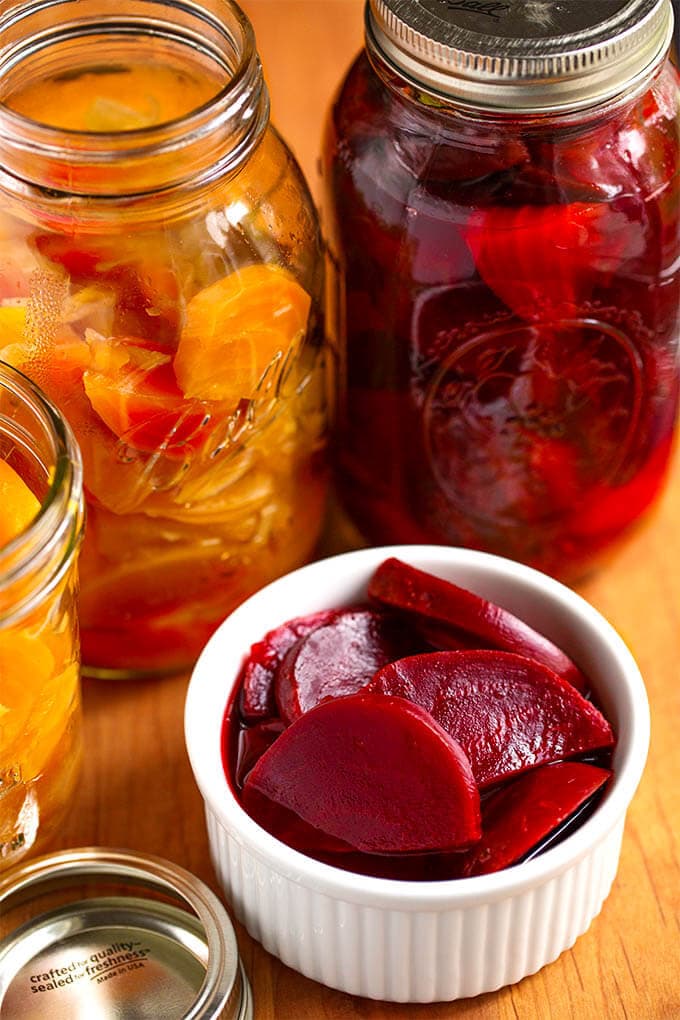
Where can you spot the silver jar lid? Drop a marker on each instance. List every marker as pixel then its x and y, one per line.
pixel 111 934
pixel 523 55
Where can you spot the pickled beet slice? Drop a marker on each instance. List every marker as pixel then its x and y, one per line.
pixel 338 658
pixel 526 811
pixel 534 257
pixel 375 772
pixel 437 601
pixel 257 698
pixel 507 712
pixel 294 831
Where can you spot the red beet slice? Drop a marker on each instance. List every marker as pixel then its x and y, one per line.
pixel 403 587
pixel 294 831
pixel 338 658
pixel 508 713
pixel 537 257
pixel 526 811
pixel 374 772
pixel 257 698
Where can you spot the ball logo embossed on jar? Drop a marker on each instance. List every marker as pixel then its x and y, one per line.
pixel 523 423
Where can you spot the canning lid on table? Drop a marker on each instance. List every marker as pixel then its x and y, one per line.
pixel 142 939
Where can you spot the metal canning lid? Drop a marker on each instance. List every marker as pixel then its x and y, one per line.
pixel 524 55
pixel 113 934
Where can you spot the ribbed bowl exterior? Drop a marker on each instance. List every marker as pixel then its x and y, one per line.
pixel 415 955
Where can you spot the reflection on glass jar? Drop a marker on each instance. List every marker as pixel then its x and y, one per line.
pixel 160 278
pixel 41 518
pixel 506 237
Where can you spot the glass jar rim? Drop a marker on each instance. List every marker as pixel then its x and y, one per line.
pixel 412 91
pixel 242 100
pixel 513 76
pixel 45 548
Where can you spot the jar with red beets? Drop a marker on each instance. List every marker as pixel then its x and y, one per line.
pixel 504 226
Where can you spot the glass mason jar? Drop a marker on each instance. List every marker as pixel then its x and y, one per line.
pixel 504 222
pixel 160 278
pixel 41 519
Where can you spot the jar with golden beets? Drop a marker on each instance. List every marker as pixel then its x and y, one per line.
pixel 504 220
pixel 160 279
pixel 41 519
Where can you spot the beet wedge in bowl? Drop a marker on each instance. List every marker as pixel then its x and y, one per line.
pixel 392 938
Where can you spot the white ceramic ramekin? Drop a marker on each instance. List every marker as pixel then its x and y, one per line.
pixel 402 941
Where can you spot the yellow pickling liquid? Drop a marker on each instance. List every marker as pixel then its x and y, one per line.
pixel 124 97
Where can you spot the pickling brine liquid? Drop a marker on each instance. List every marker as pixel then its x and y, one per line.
pixel 40 727
pixel 114 97
pixel 40 707
pixel 179 332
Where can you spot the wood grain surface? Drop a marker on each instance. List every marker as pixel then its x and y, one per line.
pixel 138 791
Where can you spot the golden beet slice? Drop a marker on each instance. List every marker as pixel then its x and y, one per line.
pixel 238 328
pixel 31 700
pixel 375 773
pixel 18 505
pixel 135 394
